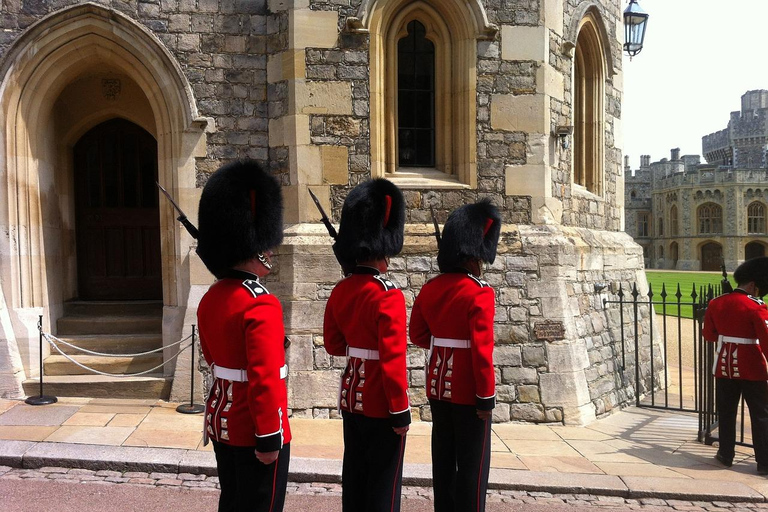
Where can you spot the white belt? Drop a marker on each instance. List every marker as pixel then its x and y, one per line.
pixel 450 343
pixel 240 375
pixel 737 340
pixel 363 353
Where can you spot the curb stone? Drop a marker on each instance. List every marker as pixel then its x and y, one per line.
pixel 35 455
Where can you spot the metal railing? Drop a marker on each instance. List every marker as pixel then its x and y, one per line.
pixel 684 382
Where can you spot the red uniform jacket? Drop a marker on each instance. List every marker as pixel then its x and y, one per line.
pixel 241 328
pixel 367 311
pixel 457 309
pixel 738 323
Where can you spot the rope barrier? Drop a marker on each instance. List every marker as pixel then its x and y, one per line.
pixel 41 399
pixel 93 353
pixel 48 338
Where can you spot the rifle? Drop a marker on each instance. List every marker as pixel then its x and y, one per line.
pixel 437 227
pixel 346 266
pixel 725 283
pixel 326 220
pixel 182 217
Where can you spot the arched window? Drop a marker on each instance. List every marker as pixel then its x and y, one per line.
pixel 588 92
pixel 756 218
pixel 661 252
pixel 423 90
pixel 660 226
pixel 673 221
pixel 643 224
pixel 710 217
pixel 416 98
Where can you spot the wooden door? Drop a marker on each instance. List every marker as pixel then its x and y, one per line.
pixel 754 250
pixel 118 221
pixel 711 257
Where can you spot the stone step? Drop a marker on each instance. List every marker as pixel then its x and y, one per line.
pixel 112 344
pixel 113 308
pixel 61 366
pixel 83 325
pixel 153 386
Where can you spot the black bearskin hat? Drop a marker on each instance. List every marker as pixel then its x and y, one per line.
pixel 240 216
pixel 471 231
pixel 372 222
pixel 755 270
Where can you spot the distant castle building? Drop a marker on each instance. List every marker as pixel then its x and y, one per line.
pixel 692 216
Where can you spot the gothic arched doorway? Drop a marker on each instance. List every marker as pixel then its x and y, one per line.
pixel 711 256
pixel 754 250
pixel 117 216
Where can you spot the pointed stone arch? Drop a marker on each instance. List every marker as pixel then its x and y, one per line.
pixel 50 56
pixel 590 10
pixel 454 28
pixel 474 9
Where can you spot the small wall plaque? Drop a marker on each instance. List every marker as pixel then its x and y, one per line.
pixel 111 88
pixel 549 331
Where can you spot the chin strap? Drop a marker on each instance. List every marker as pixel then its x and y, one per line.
pixel 264 261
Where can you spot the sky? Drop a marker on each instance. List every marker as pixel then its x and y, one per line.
pixel 699 58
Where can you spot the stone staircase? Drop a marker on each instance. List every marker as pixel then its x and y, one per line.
pixel 113 328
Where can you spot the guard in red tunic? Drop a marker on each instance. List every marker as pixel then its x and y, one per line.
pixel 453 318
pixel 738 323
pixel 242 338
pixel 365 321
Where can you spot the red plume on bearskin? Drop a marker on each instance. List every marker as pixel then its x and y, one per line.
pixel 755 270
pixel 240 215
pixel 372 222
pixel 471 231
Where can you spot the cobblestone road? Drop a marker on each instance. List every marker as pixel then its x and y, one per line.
pixel 513 499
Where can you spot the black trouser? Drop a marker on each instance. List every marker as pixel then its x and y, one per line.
pixel 461 457
pixel 372 473
pixel 729 392
pixel 247 485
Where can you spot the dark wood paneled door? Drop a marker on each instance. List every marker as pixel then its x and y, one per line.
pixel 118 221
pixel 754 250
pixel 711 257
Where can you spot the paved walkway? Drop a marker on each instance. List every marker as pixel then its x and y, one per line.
pixel 635 453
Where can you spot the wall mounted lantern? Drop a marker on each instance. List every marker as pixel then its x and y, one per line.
pixel 564 134
pixel 635 22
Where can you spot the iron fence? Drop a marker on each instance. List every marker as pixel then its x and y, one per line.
pixel 684 382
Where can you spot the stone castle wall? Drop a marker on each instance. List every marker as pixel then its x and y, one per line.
pixel 287 83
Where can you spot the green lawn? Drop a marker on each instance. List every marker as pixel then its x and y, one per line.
pixel 687 281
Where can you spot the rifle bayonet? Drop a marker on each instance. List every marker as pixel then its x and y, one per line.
pixel 326 220
pixel 182 217
pixel 437 227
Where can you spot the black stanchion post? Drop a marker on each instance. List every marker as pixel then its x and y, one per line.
pixel 41 399
pixel 191 407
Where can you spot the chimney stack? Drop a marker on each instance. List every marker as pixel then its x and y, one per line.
pixel 675 154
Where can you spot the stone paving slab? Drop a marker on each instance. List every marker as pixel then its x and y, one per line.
pixel 566 483
pixel 41 415
pixel 95 457
pixel 689 489
pixel 193 461
pixel 314 470
pixel 11 452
